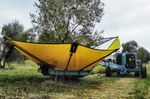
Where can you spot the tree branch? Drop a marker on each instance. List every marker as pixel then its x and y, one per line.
pixel 76 26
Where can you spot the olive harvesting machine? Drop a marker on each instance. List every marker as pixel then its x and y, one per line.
pixel 125 63
pixel 73 59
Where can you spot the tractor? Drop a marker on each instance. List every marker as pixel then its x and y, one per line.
pixel 123 64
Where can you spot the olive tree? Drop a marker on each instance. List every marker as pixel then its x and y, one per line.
pixel 66 21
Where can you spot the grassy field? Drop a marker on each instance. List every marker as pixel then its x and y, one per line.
pixel 24 82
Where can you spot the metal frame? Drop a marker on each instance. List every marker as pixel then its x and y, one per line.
pixel 54 72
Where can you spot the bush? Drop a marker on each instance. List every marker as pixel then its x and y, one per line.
pixel 98 69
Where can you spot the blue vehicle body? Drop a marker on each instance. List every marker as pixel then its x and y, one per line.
pixel 124 63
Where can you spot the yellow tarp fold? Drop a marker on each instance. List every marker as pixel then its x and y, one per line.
pixel 58 55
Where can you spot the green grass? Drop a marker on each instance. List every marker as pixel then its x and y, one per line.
pixel 142 87
pixel 98 69
pixel 25 82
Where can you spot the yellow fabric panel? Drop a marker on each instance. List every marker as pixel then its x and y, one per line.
pixel 55 54
pixel 31 58
pixel 58 54
pixel 115 44
pixel 93 65
pixel 85 56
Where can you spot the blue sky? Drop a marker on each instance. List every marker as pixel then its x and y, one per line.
pixel 128 19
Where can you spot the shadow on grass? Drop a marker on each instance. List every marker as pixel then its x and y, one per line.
pixel 10 79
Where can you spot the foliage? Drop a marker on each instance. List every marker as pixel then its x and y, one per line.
pixel 98 69
pixel 66 21
pixel 130 46
pixel 143 54
pixel 28 36
pixel 15 31
pixel 1 42
pixel 12 30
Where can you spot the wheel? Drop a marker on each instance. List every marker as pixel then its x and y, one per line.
pixel 143 72
pixel 137 74
pixel 108 72
pixel 44 70
pixel 118 73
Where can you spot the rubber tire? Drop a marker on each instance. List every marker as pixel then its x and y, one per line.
pixel 108 72
pixel 118 73
pixel 143 72
pixel 137 74
pixel 44 70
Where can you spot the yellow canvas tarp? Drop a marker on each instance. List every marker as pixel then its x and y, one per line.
pixel 59 55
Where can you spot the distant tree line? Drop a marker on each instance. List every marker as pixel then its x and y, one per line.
pixel 132 46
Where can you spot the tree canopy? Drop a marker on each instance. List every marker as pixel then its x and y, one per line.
pixel 14 31
pixel 132 46
pixel 143 54
pixel 66 21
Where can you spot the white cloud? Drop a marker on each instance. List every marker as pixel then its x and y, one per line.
pixel 16 10
pixel 129 19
